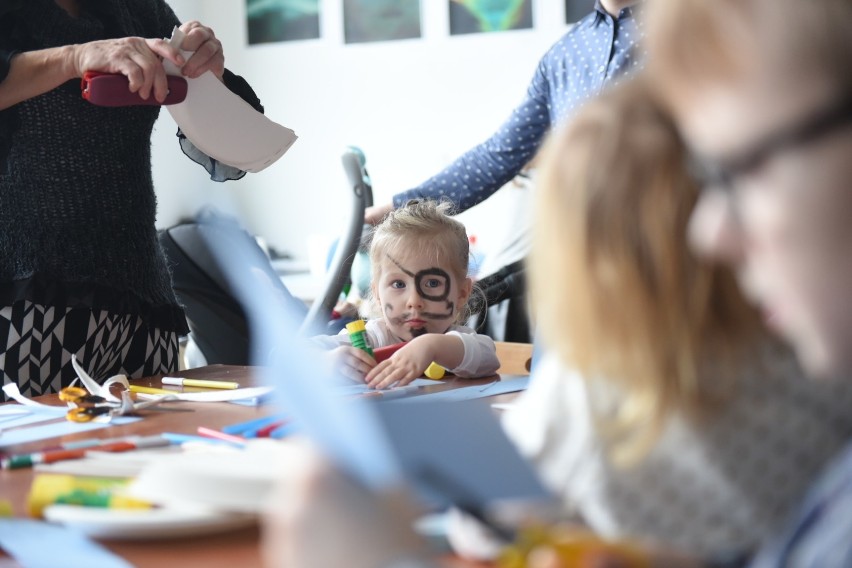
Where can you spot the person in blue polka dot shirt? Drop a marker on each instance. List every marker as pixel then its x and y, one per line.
pixel 597 51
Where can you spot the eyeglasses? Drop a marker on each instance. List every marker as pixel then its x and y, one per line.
pixel 723 174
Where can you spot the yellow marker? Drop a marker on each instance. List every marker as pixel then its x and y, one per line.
pixel 200 383
pixel 5 509
pixel 434 371
pixel 50 489
pixel 150 390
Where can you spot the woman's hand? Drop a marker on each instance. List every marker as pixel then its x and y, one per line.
pixel 351 362
pixel 208 55
pixel 405 365
pixel 320 518
pixel 136 58
pixel 374 214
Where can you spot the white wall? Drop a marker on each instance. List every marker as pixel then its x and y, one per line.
pixel 411 105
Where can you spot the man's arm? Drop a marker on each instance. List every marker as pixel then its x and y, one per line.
pixel 484 169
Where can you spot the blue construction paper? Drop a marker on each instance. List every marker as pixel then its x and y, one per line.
pixel 36 544
pixel 504 386
pixel 244 428
pixel 15 415
pixel 64 428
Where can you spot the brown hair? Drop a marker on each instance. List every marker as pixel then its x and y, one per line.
pixel 695 43
pixel 617 293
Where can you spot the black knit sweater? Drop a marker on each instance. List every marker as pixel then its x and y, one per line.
pixel 77 204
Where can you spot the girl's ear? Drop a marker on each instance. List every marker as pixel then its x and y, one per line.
pixel 465 288
pixel 374 289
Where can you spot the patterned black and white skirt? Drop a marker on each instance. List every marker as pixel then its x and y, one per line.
pixel 37 342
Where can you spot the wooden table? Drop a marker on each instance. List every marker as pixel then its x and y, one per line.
pixel 236 548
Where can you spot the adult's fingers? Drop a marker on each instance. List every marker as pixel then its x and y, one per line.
pixel 163 49
pixel 153 75
pixel 373 215
pixel 208 53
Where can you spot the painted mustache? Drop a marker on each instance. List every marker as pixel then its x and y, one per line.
pixel 426 315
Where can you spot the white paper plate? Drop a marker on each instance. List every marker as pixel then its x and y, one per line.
pixel 146 524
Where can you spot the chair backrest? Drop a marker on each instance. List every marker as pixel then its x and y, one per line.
pixel 515 358
pixel 361 197
pixel 216 319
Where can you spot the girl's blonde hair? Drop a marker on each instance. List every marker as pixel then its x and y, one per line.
pixel 617 293
pixel 423 228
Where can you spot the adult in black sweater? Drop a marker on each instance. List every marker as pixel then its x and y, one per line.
pixel 81 271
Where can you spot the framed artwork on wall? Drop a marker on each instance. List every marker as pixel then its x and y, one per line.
pixel 576 10
pixel 479 16
pixel 282 20
pixel 380 20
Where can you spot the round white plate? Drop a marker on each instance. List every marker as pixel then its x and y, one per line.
pixel 146 524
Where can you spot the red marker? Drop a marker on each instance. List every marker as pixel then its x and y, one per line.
pixel 383 353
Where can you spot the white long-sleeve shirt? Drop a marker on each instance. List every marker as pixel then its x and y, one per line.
pixel 480 354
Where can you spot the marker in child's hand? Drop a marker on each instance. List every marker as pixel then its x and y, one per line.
pixel 358 335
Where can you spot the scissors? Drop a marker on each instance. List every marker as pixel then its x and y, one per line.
pixel 89 406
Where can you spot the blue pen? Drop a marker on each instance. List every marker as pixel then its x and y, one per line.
pixel 249 428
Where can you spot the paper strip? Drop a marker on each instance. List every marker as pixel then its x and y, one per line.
pixel 94 387
pixel 14 393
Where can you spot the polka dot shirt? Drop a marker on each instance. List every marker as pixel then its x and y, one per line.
pixel 596 52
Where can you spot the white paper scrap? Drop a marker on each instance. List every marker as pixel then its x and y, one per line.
pixel 224 126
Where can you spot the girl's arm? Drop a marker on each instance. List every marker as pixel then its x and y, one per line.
pixel 468 355
pixel 412 360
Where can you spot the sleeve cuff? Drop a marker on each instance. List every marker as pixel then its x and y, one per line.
pixel 6 63
pixel 470 353
pixel 217 170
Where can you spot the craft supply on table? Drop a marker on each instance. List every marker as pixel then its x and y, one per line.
pixel 52 489
pixel 28 460
pixel 181 382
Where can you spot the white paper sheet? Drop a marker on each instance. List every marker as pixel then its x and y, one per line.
pixel 222 125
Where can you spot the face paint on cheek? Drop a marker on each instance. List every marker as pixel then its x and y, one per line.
pixel 441 295
pixel 394 320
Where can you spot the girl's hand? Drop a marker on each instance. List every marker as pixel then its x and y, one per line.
pixel 136 58
pixel 208 55
pixel 352 362
pixel 405 365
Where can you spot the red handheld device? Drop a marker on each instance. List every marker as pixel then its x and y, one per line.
pixel 113 90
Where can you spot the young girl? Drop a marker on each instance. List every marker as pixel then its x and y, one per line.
pixel 419 257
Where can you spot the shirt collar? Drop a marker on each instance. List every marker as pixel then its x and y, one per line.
pixel 601 13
